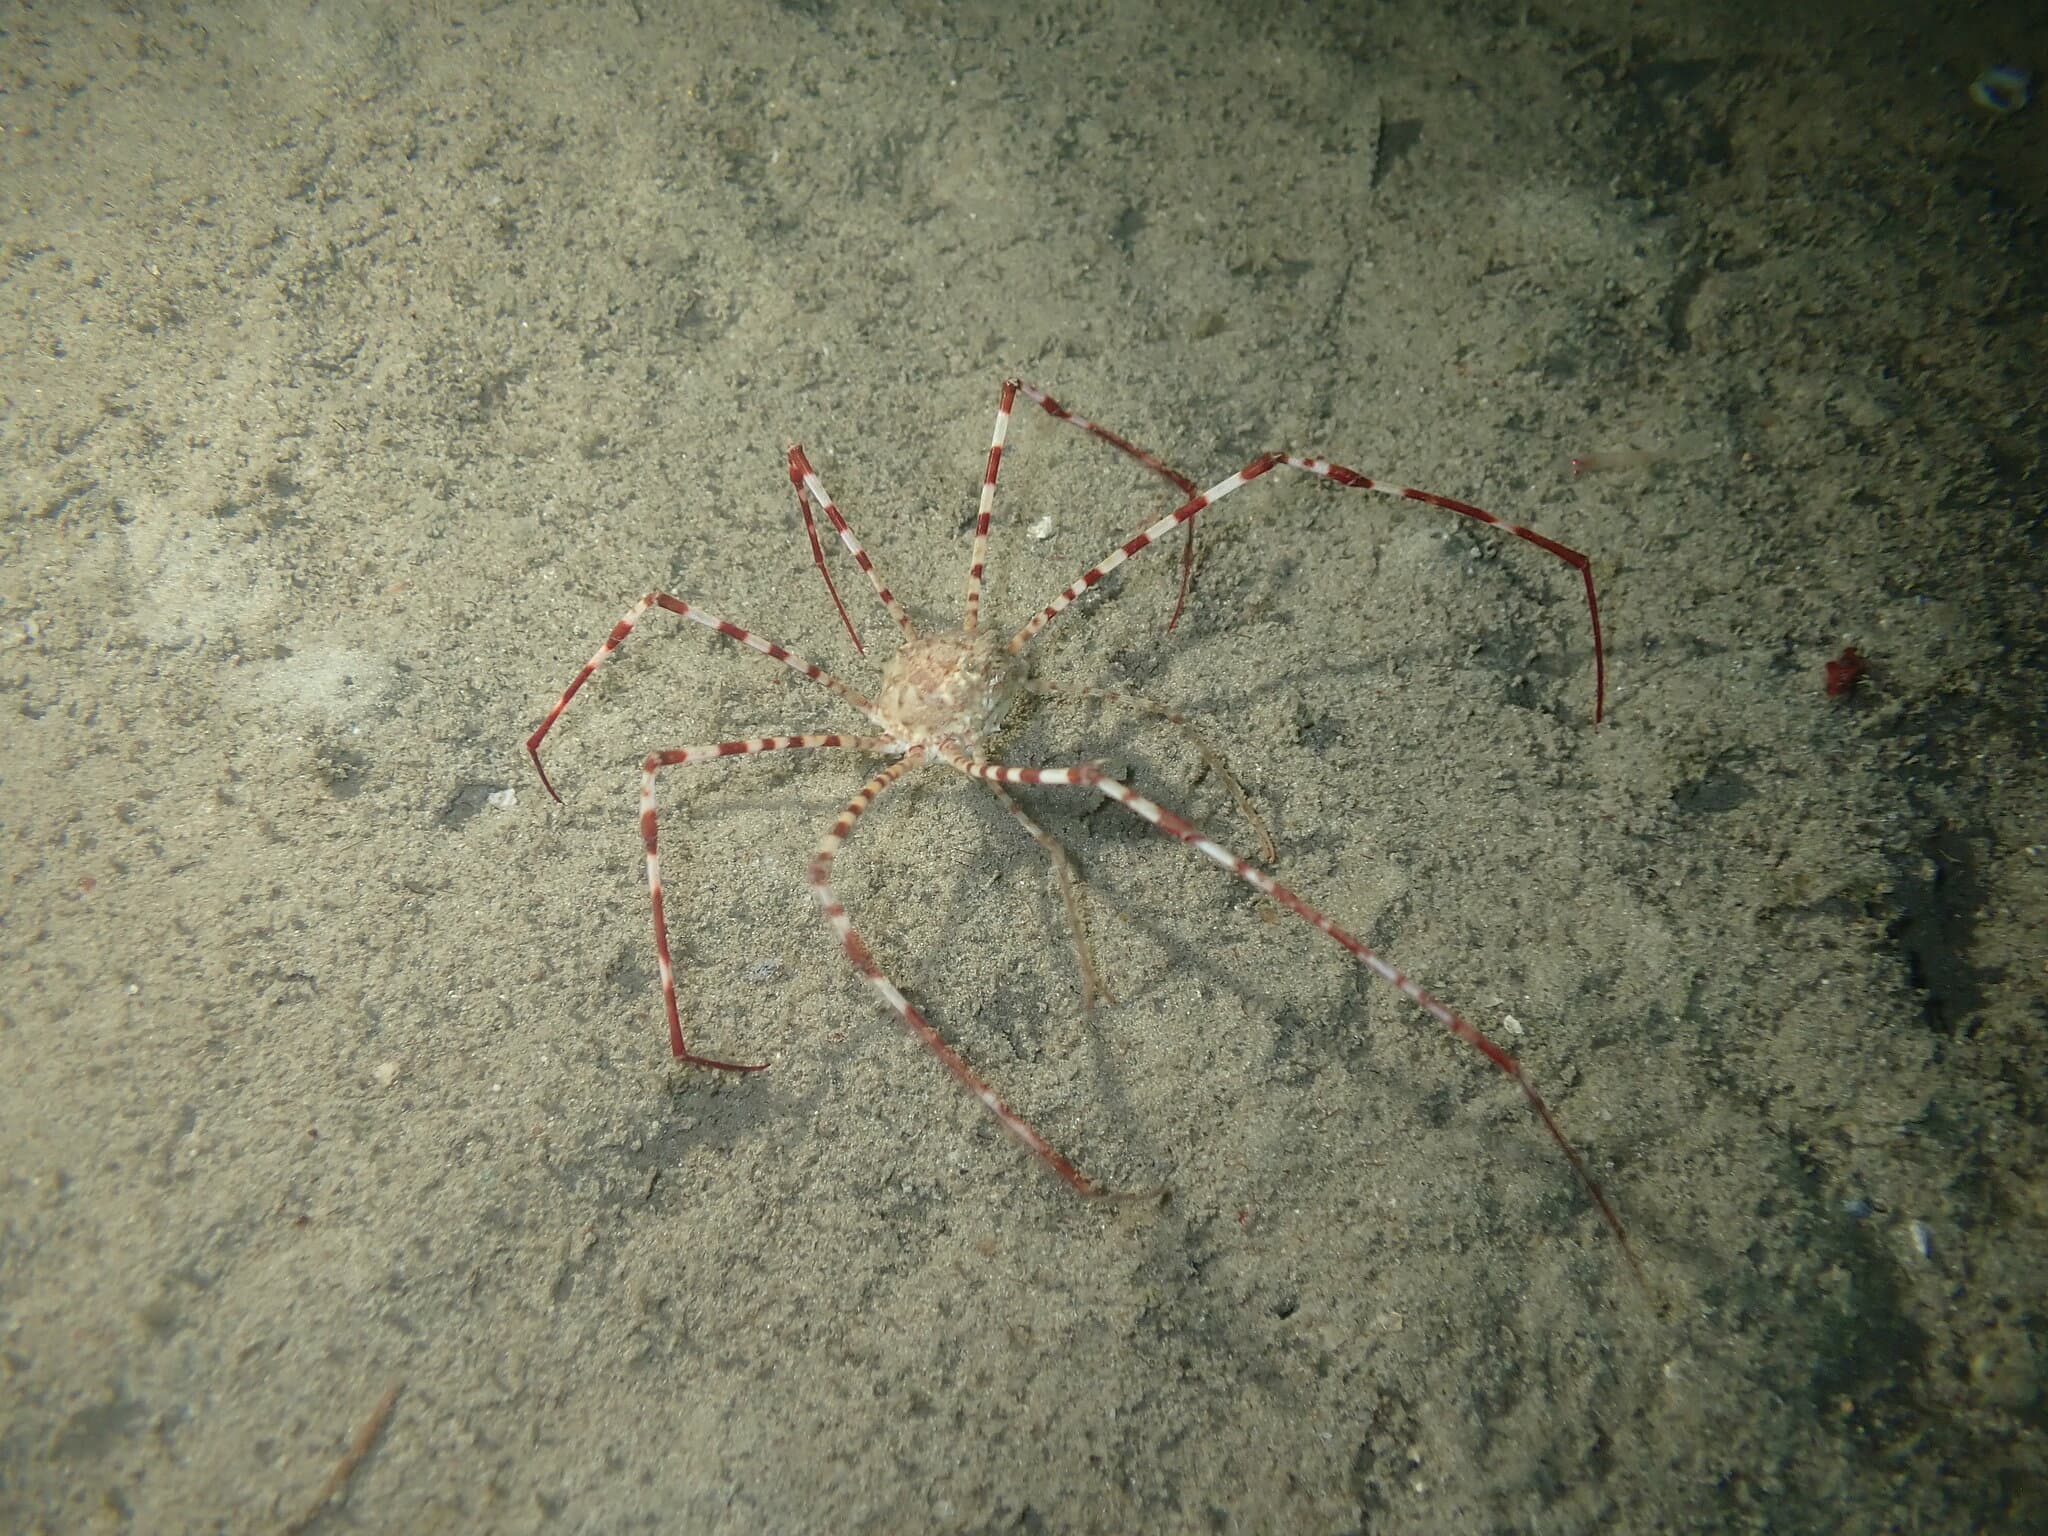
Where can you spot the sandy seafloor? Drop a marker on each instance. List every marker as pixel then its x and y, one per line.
pixel 363 364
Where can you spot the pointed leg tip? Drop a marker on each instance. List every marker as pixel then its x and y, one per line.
pixel 533 751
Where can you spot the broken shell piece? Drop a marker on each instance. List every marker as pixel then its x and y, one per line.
pixel 1923 1239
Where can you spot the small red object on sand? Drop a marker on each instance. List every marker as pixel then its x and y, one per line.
pixel 1845 671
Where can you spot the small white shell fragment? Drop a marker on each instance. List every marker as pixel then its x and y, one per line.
pixel 386 1073
pixel 1512 1025
pixel 1041 530
pixel 1923 1239
pixel 504 799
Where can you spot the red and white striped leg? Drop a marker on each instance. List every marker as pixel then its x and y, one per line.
pixel 1092 988
pixel 1352 480
pixel 972 623
pixel 918 1025
pixel 676 757
pixel 797 467
pixel 1130 450
pixel 1143 539
pixel 806 479
pixel 1210 754
pixel 709 620
pixel 1088 776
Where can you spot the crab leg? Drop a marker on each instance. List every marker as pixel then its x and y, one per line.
pixel 1088 776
